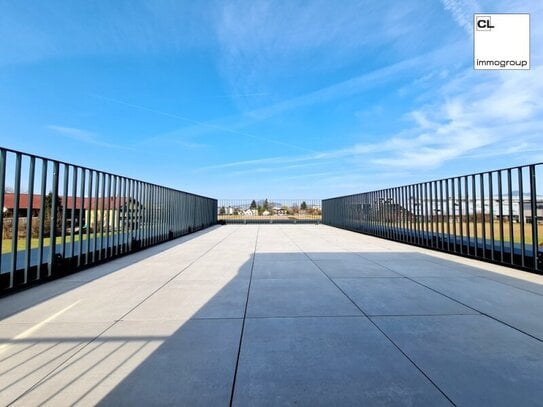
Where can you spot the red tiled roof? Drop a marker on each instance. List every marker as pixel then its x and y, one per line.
pixel 9 202
pixel 92 202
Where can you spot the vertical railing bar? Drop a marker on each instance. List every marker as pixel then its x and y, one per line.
pixel 420 213
pixel 475 217
pixel 53 232
pixel 102 254
pixel 126 215
pixel 416 225
pixel 158 212
pixel 460 215
pixel 468 228
pixel 72 215
pixel 533 204
pixel 64 209
pixel 41 232
pixel 510 199
pixel 3 158
pixel 483 221
pixel 29 210
pixel 491 215
pixel 88 216
pixel 110 210
pixel 431 214
pixel 145 231
pixel 118 207
pixel 447 200
pixel 438 223
pixel 500 212
pixel 15 219
pixel 408 230
pixel 402 234
pixel 521 217
pixel 441 214
pixel 161 213
pixel 139 212
pixel 80 217
pixel 134 223
pixel 149 211
pixel 114 236
pixel 95 252
pixel 407 198
pixel 453 201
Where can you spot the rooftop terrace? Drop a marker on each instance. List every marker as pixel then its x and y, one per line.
pixel 277 315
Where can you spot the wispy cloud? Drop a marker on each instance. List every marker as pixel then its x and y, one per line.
pixel 83 136
pixel 499 116
pixel 262 43
pixel 204 124
pixel 355 86
pixel 462 12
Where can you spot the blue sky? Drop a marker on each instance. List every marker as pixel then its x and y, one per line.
pixel 255 98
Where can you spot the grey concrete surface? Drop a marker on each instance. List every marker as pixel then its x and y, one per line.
pixel 250 315
pixel 326 362
pixel 477 361
pixel 398 296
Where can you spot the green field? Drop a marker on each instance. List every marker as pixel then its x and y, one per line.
pixel 34 242
pixel 478 227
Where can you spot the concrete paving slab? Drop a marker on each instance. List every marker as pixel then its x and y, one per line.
pixel 97 301
pixel 159 337
pixel 213 268
pixel 298 297
pixel 145 363
pixel 355 268
pixel 323 254
pixel 398 296
pixel 534 284
pixel 475 360
pixel 35 350
pixel 279 256
pixel 286 269
pixel 181 300
pixel 514 306
pixel 426 268
pixel 35 296
pixel 324 362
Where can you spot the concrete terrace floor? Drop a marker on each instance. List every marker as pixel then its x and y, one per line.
pixel 277 315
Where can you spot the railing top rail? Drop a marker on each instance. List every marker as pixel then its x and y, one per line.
pixel 437 180
pixel 100 171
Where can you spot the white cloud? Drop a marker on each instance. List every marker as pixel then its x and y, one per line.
pixel 83 136
pixel 498 114
pixel 462 12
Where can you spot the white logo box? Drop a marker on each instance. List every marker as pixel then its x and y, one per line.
pixel 501 41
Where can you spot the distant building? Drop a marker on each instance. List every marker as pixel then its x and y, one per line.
pixel 93 211
pixel 277 210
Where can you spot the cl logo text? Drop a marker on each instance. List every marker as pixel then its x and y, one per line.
pixel 483 23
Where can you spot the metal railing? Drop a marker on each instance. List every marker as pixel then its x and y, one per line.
pixel 58 217
pixel 269 211
pixel 495 215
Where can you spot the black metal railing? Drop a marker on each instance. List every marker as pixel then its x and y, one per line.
pixel 495 216
pixel 269 210
pixel 58 217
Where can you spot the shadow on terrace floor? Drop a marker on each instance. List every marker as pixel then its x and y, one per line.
pixel 19 301
pixel 320 328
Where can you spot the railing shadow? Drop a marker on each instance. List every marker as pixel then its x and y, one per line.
pixel 31 296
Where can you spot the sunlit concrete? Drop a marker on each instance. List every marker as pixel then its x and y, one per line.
pixel 251 315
